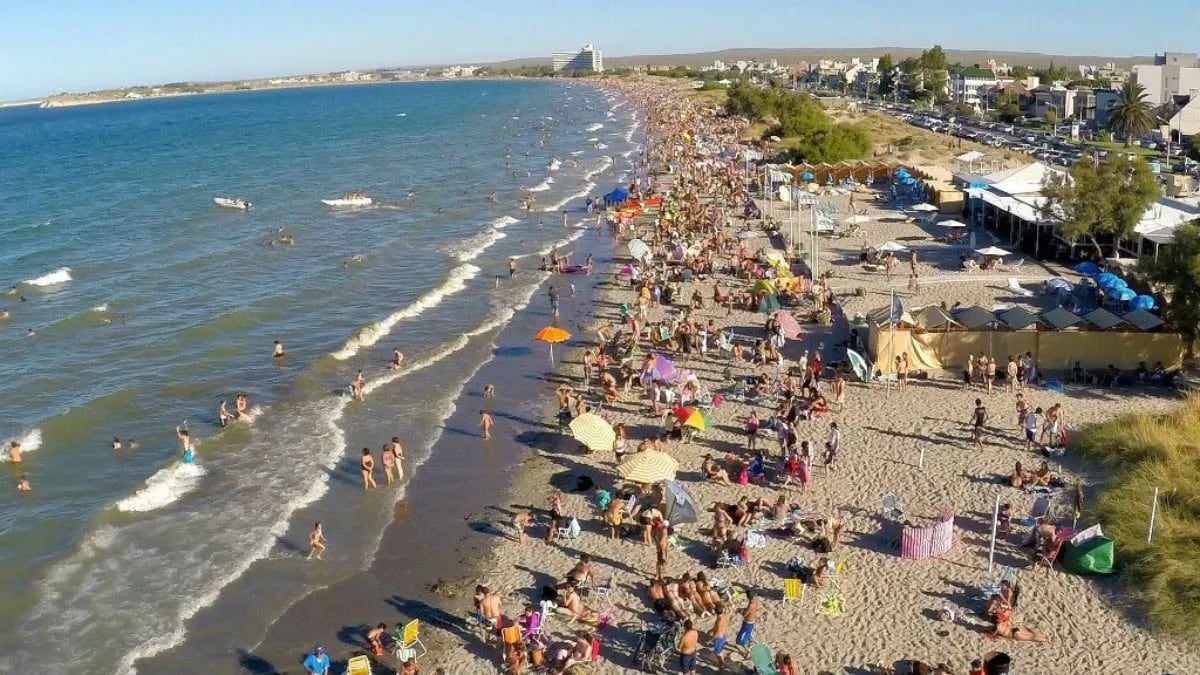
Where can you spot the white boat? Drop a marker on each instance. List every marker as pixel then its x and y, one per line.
pixel 231 203
pixel 350 199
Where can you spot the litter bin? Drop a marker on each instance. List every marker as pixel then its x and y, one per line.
pixel 997 663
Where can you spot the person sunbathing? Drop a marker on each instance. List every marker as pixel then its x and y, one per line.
pixel 1017 477
pixel 1043 476
pixel 674 597
pixel 742 513
pixel 573 607
pixel 1003 628
pixel 689 590
pixel 713 472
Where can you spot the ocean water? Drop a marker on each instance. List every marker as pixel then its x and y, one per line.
pixel 150 305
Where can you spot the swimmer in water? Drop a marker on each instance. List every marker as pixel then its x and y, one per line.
pixel 4 314
pixel 512 267
pixel 397 359
pixel 367 462
pixel 356 387
pixel 489 391
pixel 279 353
pixel 316 542
pixel 242 404
pixel 399 454
pixel 132 444
pixel 31 333
pixel 23 484
pixel 116 443
pixel 223 414
pixel 494 197
pixel 185 439
pixel 485 423
pixel 14 452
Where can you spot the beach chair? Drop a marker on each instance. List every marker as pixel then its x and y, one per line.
pixel 762 661
pixel 793 589
pixel 839 573
pixel 605 588
pixel 358 665
pixel 1015 287
pixel 729 562
pixel 988 590
pixel 571 531
pixel 408 640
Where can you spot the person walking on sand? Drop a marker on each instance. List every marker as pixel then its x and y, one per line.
pixel 521 521
pixel 989 374
pixel 1031 428
pixel 1013 375
pixel 367 463
pixel 389 463
pixel 485 423
pixel 746 633
pixel 978 420
pixel 720 633
pixel 316 542
pixel 833 443
pixel 552 293
pixel 689 644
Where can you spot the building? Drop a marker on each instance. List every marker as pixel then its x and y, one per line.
pixel 587 59
pixel 969 84
pixel 1105 99
pixel 1171 74
pixel 1186 122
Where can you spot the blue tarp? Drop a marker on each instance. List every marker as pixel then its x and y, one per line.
pixel 617 196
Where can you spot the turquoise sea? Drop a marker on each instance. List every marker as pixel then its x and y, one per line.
pixel 150 305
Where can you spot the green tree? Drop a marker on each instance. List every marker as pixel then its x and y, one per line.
pixel 1176 272
pixel 934 58
pixel 961 110
pixel 1008 107
pixel 1130 117
pixel 836 143
pixel 887 75
pixel 1099 200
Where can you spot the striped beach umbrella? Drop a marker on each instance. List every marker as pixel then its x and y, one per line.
pixel 593 431
pixel 648 467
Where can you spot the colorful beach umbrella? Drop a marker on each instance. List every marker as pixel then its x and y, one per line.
pixel 791 327
pixel 648 467
pixel 763 285
pixel 665 367
pixel 1106 279
pixel 1124 294
pixel 693 417
pixel 593 431
pixel 859 364
pixel 552 335
pixel 1144 302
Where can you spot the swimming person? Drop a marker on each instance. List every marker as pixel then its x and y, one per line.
pixel 356 387
pixel 316 542
pixel 397 359
pixel 23 484
pixel 116 443
pixel 489 391
pixel 223 413
pixel 14 452
pixel 512 266
pixel 184 437
pixel 242 404
pixel 279 353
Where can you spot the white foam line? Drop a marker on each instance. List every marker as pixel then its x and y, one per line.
pixel 372 333
pixel 566 200
pixel 59 276
pixel 605 164
pixel 166 486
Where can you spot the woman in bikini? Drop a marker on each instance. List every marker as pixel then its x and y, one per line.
pixel 367 464
pixel 613 516
pixel 389 463
pixel 556 515
pixel 714 472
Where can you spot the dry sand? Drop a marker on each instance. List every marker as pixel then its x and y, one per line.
pixel 890 604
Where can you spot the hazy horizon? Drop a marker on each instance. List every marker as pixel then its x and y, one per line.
pixel 80 46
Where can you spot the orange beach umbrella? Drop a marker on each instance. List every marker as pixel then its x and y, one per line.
pixel 551 335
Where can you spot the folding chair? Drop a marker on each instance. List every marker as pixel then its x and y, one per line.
pixel 358 665
pixel 793 589
pixel 408 640
pixel 571 531
pixel 510 635
pixel 839 572
pixel 729 562
pixel 605 588
pixel 987 591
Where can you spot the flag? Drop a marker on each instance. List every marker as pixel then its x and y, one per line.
pixel 897 310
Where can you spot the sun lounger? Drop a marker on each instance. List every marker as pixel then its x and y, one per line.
pixel 1015 287
pixel 407 641
pixel 358 665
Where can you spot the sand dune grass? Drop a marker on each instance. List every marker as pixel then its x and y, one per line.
pixel 1145 452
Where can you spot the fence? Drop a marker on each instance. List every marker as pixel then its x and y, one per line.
pixel 930 541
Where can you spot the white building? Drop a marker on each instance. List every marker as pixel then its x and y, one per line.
pixel 586 59
pixel 971 84
pixel 1171 74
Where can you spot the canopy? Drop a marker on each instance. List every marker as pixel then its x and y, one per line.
pixel 891 247
pixel 925 206
pixel 680 507
pixel 972 156
pixel 857 219
pixel 974 317
pixel 639 249
pixel 935 318
pixel 1144 302
pixel 1106 279
pixel 1094 556
pixel 648 467
pixel 692 417
pixel 593 431
pixel 617 196
pixel 1103 319
pixel 1061 318
pixel 992 251
pixel 859 364
pixel 1123 294
pixel 791 327
pixel 952 223
pixel 1142 319
pixel 1018 318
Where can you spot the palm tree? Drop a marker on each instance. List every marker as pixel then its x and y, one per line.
pixel 1130 115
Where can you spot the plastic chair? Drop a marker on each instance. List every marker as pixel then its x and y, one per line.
pixel 793 589
pixel 358 665
pixel 408 640
pixel 605 588
pixel 571 531
pixel 764 662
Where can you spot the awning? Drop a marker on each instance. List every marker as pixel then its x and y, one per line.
pixel 974 317
pixel 1018 318
pixel 1061 318
pixel 1142 319
pixel 1103 319
pixel 934 318
pixel 972 156
pixel 1017 207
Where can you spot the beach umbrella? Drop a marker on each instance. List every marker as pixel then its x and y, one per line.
pixel 791 327
pixel 680 507
pixel 648 467
pixel 627 270
pixel 692 417
pixel 775 257
pixel 593 431
pixel 552 335
pixel 768 304
pixel 664 366
pixel 764 285
pixel 1118 284
pixel 901 172
pixel 992 252
pixel 1087 267
pixel 1124 294
pixel 859 364
pixel 1059 284
pixel 891 247
pixel 1144 302
pixel 924 206
pixel 1106 279
pixel 952 223
pixel 857 220
pixel 639 249
pixel 807 175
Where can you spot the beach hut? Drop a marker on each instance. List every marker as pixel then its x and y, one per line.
pixel 1103 319
pixel 934 319
pixel 1061 319
pixel 975 318
pixel 1142 319
pixel 1019 318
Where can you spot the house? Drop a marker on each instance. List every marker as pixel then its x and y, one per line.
pixel 967 85
pixel 1171 74
pixel 1186 122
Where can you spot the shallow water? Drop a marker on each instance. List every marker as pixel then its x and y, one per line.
pixel 151 305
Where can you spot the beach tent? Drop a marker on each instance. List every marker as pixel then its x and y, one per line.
pixel 1094 556
pixel 1061 318
pixel 1142 319
pixel 681 508
pixel 974 317
pixel 933 318
pixel 617 196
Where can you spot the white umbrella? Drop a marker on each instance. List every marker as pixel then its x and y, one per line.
pixel 992 251
pixel 639 249
pixel 952 223
pixel 891 247
pixel 856 220
pixel 924 207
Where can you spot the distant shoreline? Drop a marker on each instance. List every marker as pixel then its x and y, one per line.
pixel 74 101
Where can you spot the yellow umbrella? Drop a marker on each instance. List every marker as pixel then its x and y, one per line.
pixel 551 335
pixel 593 431
pixel 648 467
pixel 776 258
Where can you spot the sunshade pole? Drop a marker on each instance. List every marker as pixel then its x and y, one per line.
pixel 1153 515
pixel 995 522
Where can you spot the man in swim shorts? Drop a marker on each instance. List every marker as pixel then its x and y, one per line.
pixel 689 644
pixel 720 632
pixel 746 633
pixel 14 452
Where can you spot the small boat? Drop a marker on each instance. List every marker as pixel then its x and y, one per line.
pixel 230 203
pixel 350 199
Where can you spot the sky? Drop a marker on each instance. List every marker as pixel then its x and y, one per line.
pixel 47 46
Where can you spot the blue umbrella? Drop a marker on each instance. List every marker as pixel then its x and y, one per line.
pixel 806 176
pixel 1088 268
pixel 1124 294
pixel 1119 283
pixel 1106 279
pixel 1058 283
pixel 1144 302
pixel 902 172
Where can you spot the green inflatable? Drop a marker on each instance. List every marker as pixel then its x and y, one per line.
pixel 1094 556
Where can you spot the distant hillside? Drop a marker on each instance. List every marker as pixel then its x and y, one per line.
pixel 811 54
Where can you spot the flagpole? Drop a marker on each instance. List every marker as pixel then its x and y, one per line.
pixel 894 320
